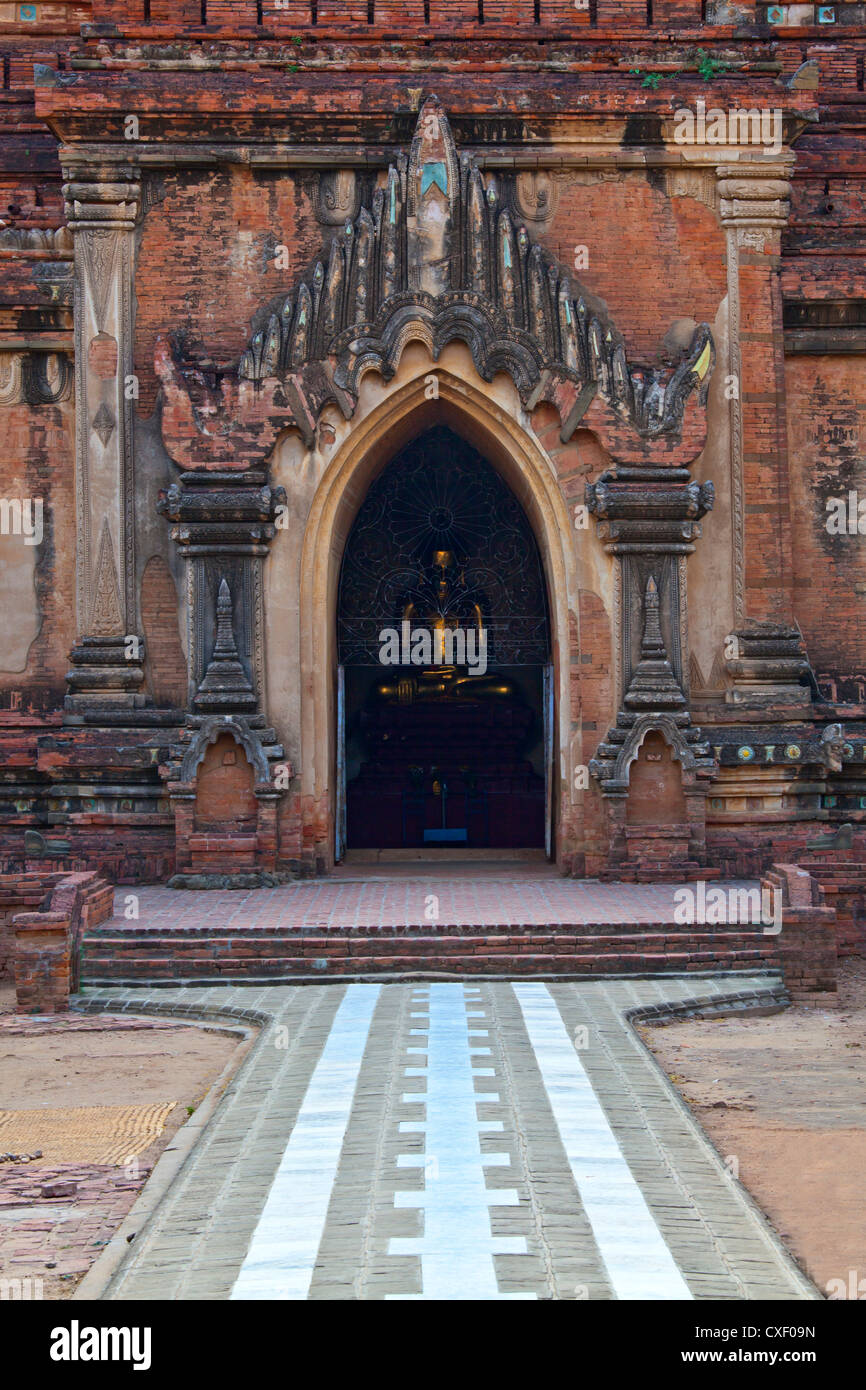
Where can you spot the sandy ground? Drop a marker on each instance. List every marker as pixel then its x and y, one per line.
pixel 48 1065
pixel 55 1217
pixel 784 1099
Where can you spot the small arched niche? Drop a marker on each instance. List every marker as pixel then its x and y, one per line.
pixel 225 796
pixel 655 795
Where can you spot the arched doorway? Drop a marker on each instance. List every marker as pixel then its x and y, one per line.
pixel 445 711
pixel 400 415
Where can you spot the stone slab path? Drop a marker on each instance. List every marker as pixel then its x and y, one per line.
pixel 458 1140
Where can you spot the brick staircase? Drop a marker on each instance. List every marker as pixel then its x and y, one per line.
pixel 114 953
pixel 844 885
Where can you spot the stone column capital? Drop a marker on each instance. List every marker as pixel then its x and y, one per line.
pixel 754 195
pixel 101 196
pixel 649 511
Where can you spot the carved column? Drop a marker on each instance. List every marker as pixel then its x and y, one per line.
pixel 754 207
pixel 107 660
pixel 223 523
pixel 650 519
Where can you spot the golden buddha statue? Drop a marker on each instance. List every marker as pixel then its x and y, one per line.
pixel 432 647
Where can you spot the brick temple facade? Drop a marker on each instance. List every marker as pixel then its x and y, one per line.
pixel 541 321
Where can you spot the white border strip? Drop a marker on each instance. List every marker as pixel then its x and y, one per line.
pixel 638 1262
pixel 283 1251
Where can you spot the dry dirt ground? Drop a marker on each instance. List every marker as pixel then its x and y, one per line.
pixel 783 1096
pixel 55 1214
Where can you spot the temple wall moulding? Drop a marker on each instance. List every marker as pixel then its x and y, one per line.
pixel 338 197
pixel 434 254
pixel 768 666
pixel 35 378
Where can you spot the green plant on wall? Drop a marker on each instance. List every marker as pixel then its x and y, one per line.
pixel 650 79
pixel 708 66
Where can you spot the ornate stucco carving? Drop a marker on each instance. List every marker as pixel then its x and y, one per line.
pixel 437 247
pixel 338 196
pixel 35 378
pixel 536 195
pixel 435 254
pixel 699 184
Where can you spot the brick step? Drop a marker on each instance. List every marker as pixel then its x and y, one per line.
pixel 844 859
pixel 252 945
pixel 852 870
pixel 117 931
pixel 659 871
pixel 196 953
pixel 102 970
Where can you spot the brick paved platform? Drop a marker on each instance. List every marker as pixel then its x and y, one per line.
pixel 483 920
pixel 472 1140
pixel 399 897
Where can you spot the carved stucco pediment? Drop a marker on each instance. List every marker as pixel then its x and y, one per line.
pixel 434 255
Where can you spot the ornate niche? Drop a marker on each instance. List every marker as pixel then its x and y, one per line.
pixel 224 798
pixel 650 522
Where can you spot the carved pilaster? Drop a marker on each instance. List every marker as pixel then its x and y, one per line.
pixel 753 208
pixel 101 207
pixel 650 519
pixel 223 524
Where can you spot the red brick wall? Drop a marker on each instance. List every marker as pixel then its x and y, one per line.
pixel 826 402
pixel 165 664
pixel 37 461
pixel 206 262
pixel 665 260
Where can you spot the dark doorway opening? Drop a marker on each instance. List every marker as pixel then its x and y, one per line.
pixel 444 652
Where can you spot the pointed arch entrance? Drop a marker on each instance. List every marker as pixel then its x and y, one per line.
pixel 404 416
pixel 443 643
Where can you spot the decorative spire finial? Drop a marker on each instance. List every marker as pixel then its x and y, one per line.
pixel 225 685
pixel 653 685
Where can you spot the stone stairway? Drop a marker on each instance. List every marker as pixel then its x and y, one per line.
pixel 114 953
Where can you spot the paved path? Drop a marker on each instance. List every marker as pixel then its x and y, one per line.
pixel 452 1141
pixel 392 900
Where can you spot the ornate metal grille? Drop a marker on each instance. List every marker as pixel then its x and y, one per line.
pixel 440 494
